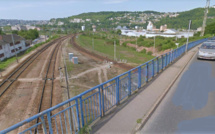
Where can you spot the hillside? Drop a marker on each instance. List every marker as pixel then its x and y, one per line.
pixel 181 21
pixel 131 19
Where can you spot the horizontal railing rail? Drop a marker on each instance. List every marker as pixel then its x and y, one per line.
pixel 97 101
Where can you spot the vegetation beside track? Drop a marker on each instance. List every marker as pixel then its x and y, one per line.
pixel 106 48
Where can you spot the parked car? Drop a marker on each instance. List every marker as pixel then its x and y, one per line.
pixel 207 51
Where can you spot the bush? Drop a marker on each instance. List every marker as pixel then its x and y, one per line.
pixel 143 51
pixel 149 53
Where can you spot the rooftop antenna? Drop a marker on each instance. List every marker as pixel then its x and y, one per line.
pixel 205 17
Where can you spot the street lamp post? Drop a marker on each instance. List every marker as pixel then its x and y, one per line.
pixel 93 41
pixel 190 22
pixel 154 46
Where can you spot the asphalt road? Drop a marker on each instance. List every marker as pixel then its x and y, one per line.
pixel 189 107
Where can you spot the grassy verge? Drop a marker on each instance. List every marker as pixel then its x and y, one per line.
pixel 7 62
pixel 106 48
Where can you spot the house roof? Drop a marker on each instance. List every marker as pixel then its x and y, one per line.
pixel 5 39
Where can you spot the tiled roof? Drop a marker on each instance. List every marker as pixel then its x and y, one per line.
pixel 4 39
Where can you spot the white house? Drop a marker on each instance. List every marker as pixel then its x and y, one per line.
pixel 150 26
pixel 7 49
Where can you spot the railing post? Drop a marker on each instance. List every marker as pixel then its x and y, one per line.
pixel 162 61
pixel 139 77
pixel 153 68
pixel 50 122
pixel 129 83
pixel 77 112
pixel 165 60
pixel 157 65
pixel 103 100
pixel 82 113
pixel 117 91
pixel 100 101
pixel 147 72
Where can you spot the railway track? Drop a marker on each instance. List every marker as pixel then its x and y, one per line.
pixel 6 84
pixel 48 84
pixel 45 101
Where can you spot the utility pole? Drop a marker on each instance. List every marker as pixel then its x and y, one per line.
pixel 114 50
pixel 190 22
pixel 14 48
pixel 154 46
pixel 93 42
pixel 205 17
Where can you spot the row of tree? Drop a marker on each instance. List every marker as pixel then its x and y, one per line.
pixel 29 35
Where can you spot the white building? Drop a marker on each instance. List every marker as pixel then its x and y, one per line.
pixel 150 26
pixel 83 28
pixel 77 21
pixel 60 23
pixel 7 49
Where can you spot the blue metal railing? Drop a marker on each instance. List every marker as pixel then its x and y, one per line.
pixel 96 102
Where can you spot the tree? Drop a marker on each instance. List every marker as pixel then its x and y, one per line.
pixel 210 29
pixel 119 32
pixel 1 32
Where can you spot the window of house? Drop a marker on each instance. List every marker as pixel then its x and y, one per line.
pixel 1 55
pixel 12 51
pixel 0 47
pixel 18 42
pixel 11 44
pixel 20 48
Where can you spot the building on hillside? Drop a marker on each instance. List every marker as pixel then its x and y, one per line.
pixel 150 26
pixel 7 49
pixel 30 27
pixel 163 27
pixel 199 29
pixel 60 23
pixel 83 28
pixel 94 28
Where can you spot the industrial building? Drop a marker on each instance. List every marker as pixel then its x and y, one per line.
pixel 8 48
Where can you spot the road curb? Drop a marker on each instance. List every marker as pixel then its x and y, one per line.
pixel 146 117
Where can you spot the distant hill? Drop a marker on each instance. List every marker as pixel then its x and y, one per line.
pixel 178 20
pixel 181 21
pixel 12 22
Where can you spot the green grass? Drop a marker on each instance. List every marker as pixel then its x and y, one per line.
pixel 139 120
pixel 7 62
pixel 104 48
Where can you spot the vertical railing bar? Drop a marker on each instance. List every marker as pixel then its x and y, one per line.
pixel 101 100
pixel 70 124
pixel 73 115
pixel 44 125
pixel 65 122
pixel 94 106
pixel 61 123
pixel 88 106
pixel 77 112
pixel 82 112
pixel 50 122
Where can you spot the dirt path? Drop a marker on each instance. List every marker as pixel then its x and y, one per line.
pixel 90 70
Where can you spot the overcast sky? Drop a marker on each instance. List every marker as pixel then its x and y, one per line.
pixel 47 9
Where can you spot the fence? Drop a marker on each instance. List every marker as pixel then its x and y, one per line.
pixel 76 113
